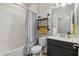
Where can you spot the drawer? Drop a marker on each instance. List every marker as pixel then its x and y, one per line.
pixel 62 44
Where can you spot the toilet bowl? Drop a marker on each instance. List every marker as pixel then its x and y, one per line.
pixel 37 49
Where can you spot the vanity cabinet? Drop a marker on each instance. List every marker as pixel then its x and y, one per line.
pixel 61 48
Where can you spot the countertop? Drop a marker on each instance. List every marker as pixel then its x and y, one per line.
pixel 73 40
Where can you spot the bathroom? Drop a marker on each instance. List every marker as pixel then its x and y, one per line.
pixel 39 29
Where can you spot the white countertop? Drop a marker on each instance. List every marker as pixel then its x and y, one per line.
pixel 73 40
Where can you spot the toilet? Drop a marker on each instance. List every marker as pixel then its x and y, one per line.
pixel 37 49
pixel 42 41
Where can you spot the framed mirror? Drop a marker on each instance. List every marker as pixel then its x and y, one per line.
pixel 62 18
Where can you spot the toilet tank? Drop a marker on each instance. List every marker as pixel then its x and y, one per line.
pixel 42 41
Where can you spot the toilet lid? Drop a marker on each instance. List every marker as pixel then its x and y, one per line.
pixel 36 49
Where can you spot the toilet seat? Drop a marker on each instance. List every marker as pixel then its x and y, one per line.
pixel 36 49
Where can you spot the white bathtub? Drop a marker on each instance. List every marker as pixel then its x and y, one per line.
pixel 15 52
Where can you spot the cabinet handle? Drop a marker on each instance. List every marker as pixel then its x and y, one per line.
pixel 75 46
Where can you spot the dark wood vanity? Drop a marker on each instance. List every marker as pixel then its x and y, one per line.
pixel 61 48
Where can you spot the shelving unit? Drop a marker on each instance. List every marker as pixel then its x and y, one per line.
pixel 43 26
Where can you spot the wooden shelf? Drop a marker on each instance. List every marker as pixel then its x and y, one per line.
pixel 40 19
pixel 43 26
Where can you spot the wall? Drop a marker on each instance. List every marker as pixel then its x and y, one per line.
pixel 15 52
pixel 78 18
pixel 33 7
pixel 44 9
pixel 12 27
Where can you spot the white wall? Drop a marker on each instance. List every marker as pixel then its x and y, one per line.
pixel 15 52
pixel 33 7
pixel 12 27
pixel 78 18
pixel 44 9
pixel 12 24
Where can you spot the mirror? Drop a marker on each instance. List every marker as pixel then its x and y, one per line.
pixel 62 18
pixel 64 25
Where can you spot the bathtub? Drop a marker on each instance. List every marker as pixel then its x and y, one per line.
pixel 15 52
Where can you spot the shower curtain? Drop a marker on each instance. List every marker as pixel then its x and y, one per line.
pixel 31 29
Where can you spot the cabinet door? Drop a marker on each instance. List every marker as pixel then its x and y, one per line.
pixel 53 50
pixel 67 52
